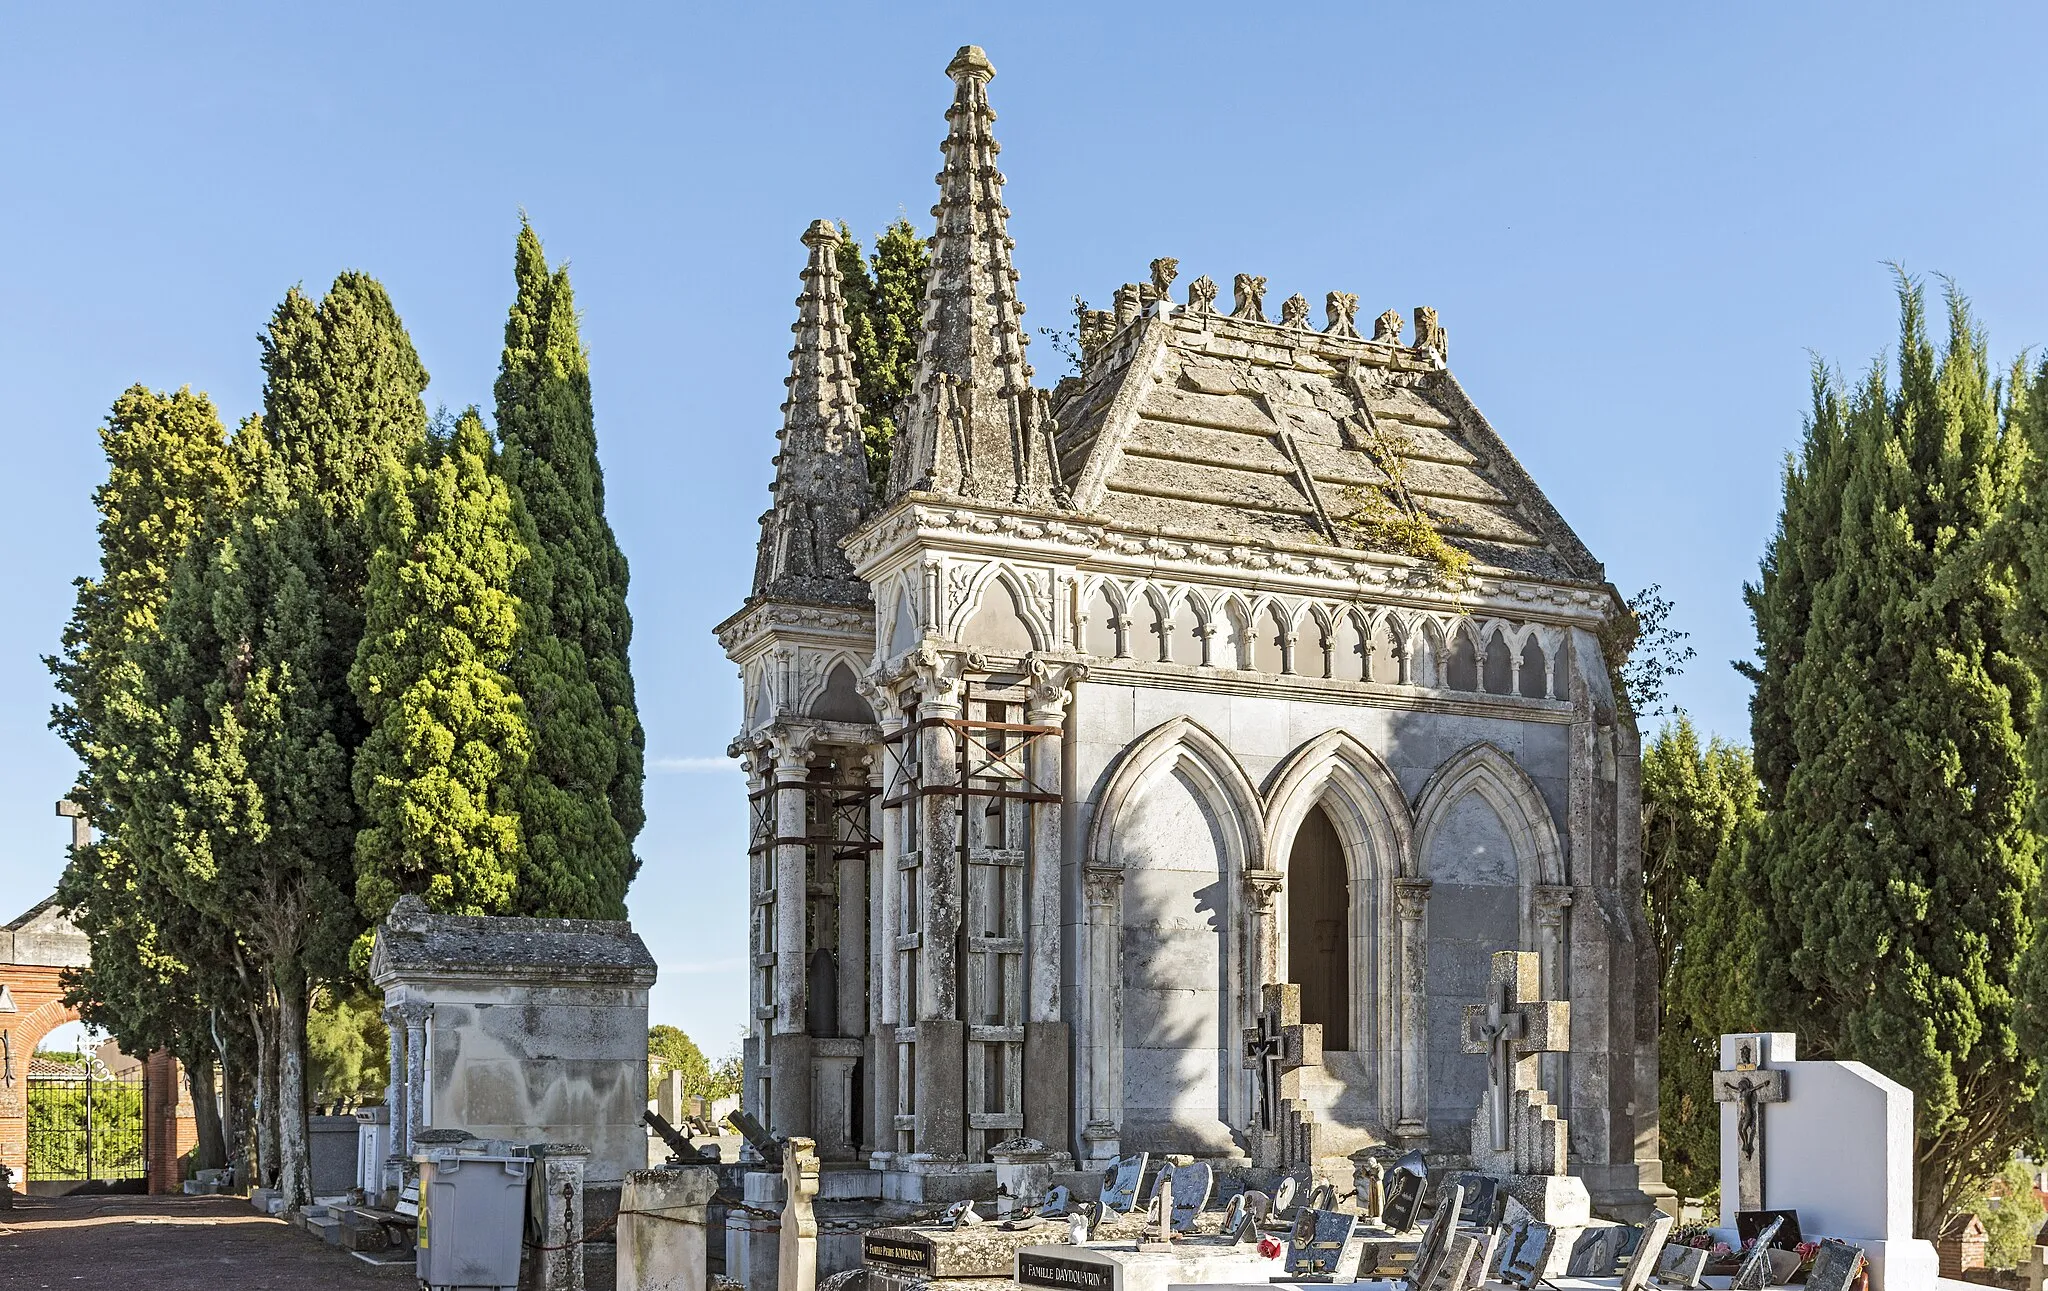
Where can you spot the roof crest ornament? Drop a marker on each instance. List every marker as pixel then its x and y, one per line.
pixel 1387 327
pixel 1250 302
pixel 1202 295
pixel 1342 310
pixel 1429 335
pixel 1294 312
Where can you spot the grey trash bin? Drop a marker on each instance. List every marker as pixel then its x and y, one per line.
pixel 472 1214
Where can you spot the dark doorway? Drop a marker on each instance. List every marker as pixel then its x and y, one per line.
pixel 1319 928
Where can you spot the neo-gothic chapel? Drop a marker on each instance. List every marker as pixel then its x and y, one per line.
pixel 1127 699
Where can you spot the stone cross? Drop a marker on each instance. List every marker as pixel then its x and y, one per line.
pixel 1278 1048
pixel 798 1257
pixel 81 829
pixel 1749 1087
pixel 1511 1029
pixel 2035 1270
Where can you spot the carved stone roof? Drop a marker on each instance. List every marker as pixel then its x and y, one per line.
pixel 1195 424
pixel 413 944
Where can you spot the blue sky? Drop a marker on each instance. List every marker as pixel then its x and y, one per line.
pixel 1637 223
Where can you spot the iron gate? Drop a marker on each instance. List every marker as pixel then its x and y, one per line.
pixel 84 1121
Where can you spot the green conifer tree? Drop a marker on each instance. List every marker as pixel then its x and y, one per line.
pixel 580 798
pixel 1697 804
pixel 437 775
pixel 260 635
pixel 156 961
pixel 884 318
pixel 1894 872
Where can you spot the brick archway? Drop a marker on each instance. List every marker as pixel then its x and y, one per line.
pixel 38 995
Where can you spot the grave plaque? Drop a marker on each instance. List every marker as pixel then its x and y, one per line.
pixel 1594 1252
pixel 1525 1250
pixel 1404 1200
pixel 1066 1272
pixel 898 1250
pixel 1649 1247
pixel 1482 1259
pixel 1680 1266
pixel 1283 1196
pixel 1754 1273
pixel 1835 1266
pixel 1320 1237
pixel 1120 1183
pixel 1749 1223
pixel 1482 1201
pixel 1436 1239
pixel 1191 1185
pixel 1455 1265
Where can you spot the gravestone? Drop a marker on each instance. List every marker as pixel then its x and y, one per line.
pixel 1838 1149
pixel 1120 1184
pixel 1517 1131
pixel 1835 1266
pixel 1642 1261
pixel 1680 1266
pixel 1754 1271
pixel 1436 1237
pixel 1275 1051
pixel 1454 1270
pixel 1525 1252
pixel 1320 1239
pixel 1482 1201
pixel 1404 1200
pixel 1482 1266
pixel 1191 1187
pixel 1594 1252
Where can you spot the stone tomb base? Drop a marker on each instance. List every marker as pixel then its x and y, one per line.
pixel 1123 1267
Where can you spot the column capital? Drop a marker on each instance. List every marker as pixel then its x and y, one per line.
pixel 1263 887
pixel 1103 883
pixel 1048 682
pixel 1412 895
pixel 791 745
pixel 1552 900
pixel 414 1013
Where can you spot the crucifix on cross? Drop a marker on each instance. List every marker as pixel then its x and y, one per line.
pixel 1749 1086
pixel 1277 1048
pixel 1511 1029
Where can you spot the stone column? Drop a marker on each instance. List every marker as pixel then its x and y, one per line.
pixel 884 898
pixel 789 1050
pixel 1048 1042
pixel 414 1013
pixel 1411 897
pixel 1102 1064
pixel 1553 904
pixel 1262 902
pixel 941 1053
pixel 853 923
pixel 397 1117
pixel 558 1264
pixel 797 1262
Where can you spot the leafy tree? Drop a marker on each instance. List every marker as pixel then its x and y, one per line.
pixel 1892 875
pixel 261 631
pixel 437 775
pixel 169 475
pixel 2012 1215
pixel 346 1046
pixel 677 1052
pixel 727 1076
pixel 579 799
pixel 1697 805
pixel 884 319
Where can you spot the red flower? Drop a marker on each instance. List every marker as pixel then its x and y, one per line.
pixel 1269 1248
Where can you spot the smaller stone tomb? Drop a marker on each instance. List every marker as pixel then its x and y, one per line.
pixel 1649 1248
pixel 1525 1252
pixel 1835 1266
pixel 1680 1266
pixel 1120 1183
pixel 1319 1244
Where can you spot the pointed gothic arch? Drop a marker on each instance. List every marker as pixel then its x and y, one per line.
pixel 1484 769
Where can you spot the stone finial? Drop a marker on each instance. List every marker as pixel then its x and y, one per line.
pixel 964 433
pixel 1294 312
pixel 1250 290
pixel 1093 330
pixel 971 64
pixel 1342 310
pixel 1387 327
pixel 1429 334
pixel 1130 302
pixel 408 914
pixel 1164 270
pixel 1202 295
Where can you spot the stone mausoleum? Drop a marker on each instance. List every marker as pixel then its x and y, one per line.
pixel 1125 699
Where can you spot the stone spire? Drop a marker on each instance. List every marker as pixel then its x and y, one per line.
pixel 976 428
pixel 821 475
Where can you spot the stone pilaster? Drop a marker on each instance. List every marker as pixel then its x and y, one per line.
pixel 1411 899
pixel 1553 909
pixel 940 1054
pixel 792 751
pixel 1101 1098
pixel 414 1015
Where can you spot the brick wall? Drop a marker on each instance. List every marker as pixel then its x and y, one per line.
pixel 170 1132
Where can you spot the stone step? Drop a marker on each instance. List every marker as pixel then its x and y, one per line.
pixel 326 1227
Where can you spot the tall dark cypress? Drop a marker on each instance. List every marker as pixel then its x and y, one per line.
pixel 580 800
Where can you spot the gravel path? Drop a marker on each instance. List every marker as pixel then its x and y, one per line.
pixel 168 1244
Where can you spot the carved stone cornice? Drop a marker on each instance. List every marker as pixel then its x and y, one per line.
pixel 1321 570
pixel 760 618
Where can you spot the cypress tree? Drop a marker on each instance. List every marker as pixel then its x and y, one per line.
pixel 436 776
pixel 1698 804
pixel 169 476
pixel 261 632
pixel 1896 866
pixel 884 297
pixel 580 798
pixel 2024 548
